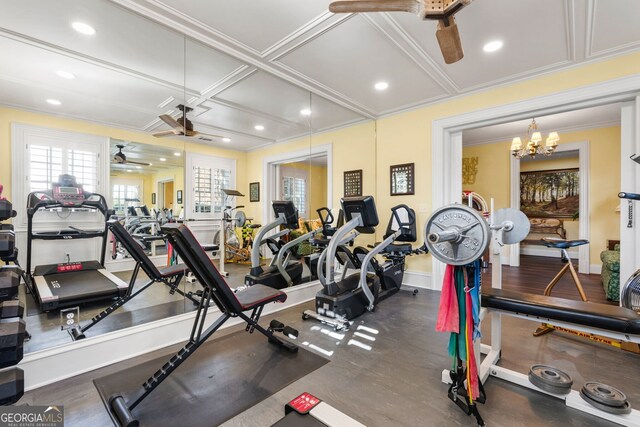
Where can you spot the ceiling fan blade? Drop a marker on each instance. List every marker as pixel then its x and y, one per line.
pixel 171 122
pixel 131 162
pixel 166 133
pixel 449 41
pixel 209 135
pixel 355 6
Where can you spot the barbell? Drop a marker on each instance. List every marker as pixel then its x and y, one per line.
pixel 458 235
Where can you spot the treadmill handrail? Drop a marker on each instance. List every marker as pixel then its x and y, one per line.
pixel 255 250
pixel 367 259
pixel 335 242
pixel 285 249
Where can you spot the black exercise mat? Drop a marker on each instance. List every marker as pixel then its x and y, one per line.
pixel 221 379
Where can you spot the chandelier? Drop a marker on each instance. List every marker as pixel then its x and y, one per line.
pixel 532 145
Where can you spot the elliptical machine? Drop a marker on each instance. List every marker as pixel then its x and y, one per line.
pixel 341 301
pixel 344 299
pixel 282 272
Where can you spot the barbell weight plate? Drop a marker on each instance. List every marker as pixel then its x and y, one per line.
pixel 241 219
pixel 468 224
pixel 605 394
pixel 550 379
pixel 617 410
pixel 519 221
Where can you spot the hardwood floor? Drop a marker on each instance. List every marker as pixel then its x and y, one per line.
pixel 535 272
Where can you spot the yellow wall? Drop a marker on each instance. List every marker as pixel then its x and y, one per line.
pixel 317 176
pixel 493 180
pixel 352 148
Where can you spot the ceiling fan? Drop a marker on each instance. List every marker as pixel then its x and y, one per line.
pixel 183 126
pixel 440 10
pixel 121 159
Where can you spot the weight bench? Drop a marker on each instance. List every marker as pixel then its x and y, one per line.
pixel 591 319
pixel 170 275
pixel 229 303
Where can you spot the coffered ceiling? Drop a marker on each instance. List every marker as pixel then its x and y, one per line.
pixel 261 63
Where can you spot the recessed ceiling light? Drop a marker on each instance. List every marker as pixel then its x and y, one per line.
pixel 53 102
pixel 492 46
pixel 381 85
pixel 150 164
pixel 226 139
pixel 162 159
pixel 83 28
pixel 177 154
pixel 138 167
pixel 305 112
pixel 258 127
pixel 65 75
pixel 129 170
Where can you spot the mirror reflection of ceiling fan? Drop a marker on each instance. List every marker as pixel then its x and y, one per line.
pixel 183 127
pixel 121 159
pixel 440 10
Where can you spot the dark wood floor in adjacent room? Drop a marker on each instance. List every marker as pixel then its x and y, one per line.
pixel 535 272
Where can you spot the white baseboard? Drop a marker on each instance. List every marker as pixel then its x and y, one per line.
pixel 595 269
pixel 92 353
pixel 419 279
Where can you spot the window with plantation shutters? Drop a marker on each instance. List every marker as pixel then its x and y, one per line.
pixel 208 176
pixel 40 155
pixel 46 163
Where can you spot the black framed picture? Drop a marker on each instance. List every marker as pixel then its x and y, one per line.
pixel 254 192
pixel 179 197
pixel 153 198
pixel 353 183
pixel 402 181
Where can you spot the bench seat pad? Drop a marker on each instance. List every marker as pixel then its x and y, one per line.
pixel 601 316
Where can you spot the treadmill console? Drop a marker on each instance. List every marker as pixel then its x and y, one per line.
pixel 68 196
pixel 287 210
pixel 363 207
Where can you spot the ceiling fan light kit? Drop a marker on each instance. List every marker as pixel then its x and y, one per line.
pixel 447 33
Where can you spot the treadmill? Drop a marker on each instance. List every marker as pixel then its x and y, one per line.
pixel 67 284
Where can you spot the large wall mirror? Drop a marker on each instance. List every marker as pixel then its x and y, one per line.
pixel 115 95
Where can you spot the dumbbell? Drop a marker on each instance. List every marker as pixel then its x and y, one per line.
pixel 6 210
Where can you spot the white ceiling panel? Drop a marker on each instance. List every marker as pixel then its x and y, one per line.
pixel 224 117
pixel 533 32
pixel 122 37
pixel 206 66
pixel 270 95
pixel 615 24
pixel 75 105
pixel 36 69
pixel 258 24
pixel 352 57
pixel 325 115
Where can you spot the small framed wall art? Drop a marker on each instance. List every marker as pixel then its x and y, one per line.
pixel 153 198
pixel 179 197
pixel 402 179
pixel 353 183
pixel 254 192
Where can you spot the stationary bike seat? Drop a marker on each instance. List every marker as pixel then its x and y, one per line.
pixel 563 244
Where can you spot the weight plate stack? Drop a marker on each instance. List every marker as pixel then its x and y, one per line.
pixel 606 398
pixel 550 379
